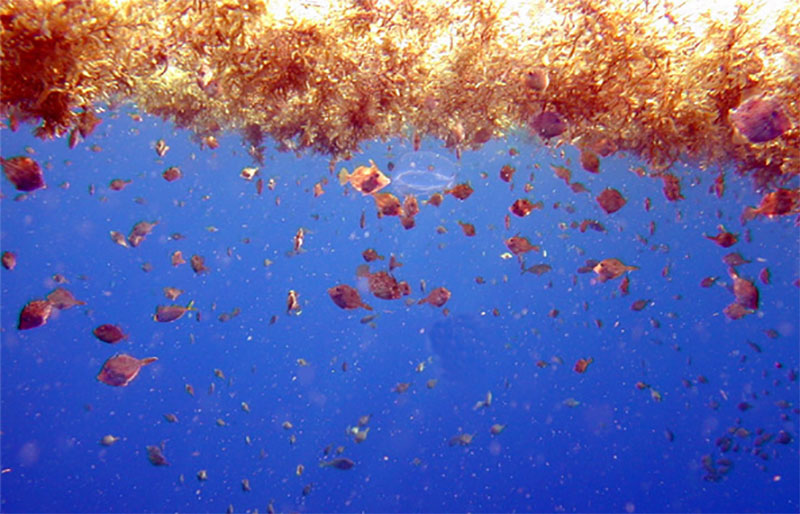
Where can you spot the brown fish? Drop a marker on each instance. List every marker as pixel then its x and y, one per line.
pixel 347 297
pixel 23 172
pixel 520 245
pixel 168 313
pixel 507 173
pixel 582 364
pixel 370 254
pixel 172 174
pixel 198 264
pixel 467 228
pixel 62 299
pixel 460 191
pixel 9 260
pixel 121 369
pixel 538 269
pixel 340 463
pixel 760 119
pixel 461 440
pixel 156 456
pixel 744 290
pixel 523 207
pixel 385 286
pixel 609 269
pixel 118 184
pixel 437 297
pixel 140 231
pixel 724 238
pixel 611 200
pixel 548 124
pixel 777 203
pixel 589 161
pixel 410 206
pixel 172 293
pixel 388 204
pixel 109 333
pixel 34 314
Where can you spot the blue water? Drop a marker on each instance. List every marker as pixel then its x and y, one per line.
pixel 608 453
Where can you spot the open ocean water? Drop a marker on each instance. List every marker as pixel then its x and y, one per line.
pixel 679 410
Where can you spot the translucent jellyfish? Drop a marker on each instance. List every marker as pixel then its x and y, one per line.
pixel 423 173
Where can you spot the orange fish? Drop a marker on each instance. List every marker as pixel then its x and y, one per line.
pixel 436 199
pixel 367 179
pixel 724 238
pixel 388 204
pixel 672 186
pixel 347 297
pixel 437 297
pixel 519 245
pixel 760 119
pixel 611 200
pixel 177 258
pixel 172 174
pixel 589 161
pixel 386 287
pixel 23 172
pixel 370 254
pixel 34 314
pixel 109 333
pixel 582 364
pixel 460 191
pixel 777 203
pixel 468 228
pixel 523 207
pixel 745 291
pixel 609 269
pixel 168 313
pixel 9 260
pixel 198 264
pixel 410 205
pixel 118 184
pixel 62 299
pixel 140 231
pixel 506 173
pixel 121 369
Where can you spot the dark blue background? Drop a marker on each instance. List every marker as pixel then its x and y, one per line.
pixel 609 453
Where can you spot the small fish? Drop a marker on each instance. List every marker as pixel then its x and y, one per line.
pixel 367 179
pixel 161 148
pixel 109 333
pixel 609 269
pixel 342 463
pixel 156 456
pixel 108 440
pixel 169 313
pixel 582 364
pixel 611 200
pixel 437 298
pixel 497 428
pixel 292 303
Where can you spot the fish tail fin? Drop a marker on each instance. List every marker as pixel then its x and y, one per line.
pixel 748 214
pixel 344 176
pixel 369 308
pixel 148 360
